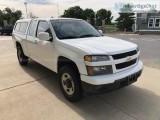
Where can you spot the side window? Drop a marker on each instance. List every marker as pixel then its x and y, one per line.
pixel 32 27
pixel 43 27
pixel 157 23
pixel 23 27
pixel 17 27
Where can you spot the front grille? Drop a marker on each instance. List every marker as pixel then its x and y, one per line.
pixel 124 55
pixel 126 64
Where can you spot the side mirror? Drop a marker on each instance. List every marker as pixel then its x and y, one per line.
pixel 43 36
pixel 101 31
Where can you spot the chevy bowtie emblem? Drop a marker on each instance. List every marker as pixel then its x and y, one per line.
pixel 129 58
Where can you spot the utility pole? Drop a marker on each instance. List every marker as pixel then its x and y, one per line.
pixel 25 3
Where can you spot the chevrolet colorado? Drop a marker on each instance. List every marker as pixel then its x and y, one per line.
pixel 86 61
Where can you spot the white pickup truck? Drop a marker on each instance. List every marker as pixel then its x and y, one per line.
pixel 86 61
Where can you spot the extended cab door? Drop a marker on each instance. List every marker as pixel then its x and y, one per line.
pixel 31 39
pixel 44 52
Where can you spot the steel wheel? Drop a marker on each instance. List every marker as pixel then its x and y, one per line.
pixel 68 84
pixel 19 55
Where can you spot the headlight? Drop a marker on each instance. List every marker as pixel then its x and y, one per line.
pixel 99 70
pixel 96 58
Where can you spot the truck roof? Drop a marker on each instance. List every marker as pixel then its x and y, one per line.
pixel 28 20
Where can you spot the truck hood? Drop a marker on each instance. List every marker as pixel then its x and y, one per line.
pixel 102 45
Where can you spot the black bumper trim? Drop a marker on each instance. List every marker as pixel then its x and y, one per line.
pixel 89 89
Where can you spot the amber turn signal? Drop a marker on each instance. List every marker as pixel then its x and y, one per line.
pixel 88 58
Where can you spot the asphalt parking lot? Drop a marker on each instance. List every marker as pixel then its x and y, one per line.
pixel 33 93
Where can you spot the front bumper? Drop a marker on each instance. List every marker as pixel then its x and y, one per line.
pixel 100 84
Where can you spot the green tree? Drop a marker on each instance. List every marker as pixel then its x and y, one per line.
pixel 125 19
pixel 10 15
pixel 104 14
pixel 17 14
pixel 12 21
pixel 74 12
pixel 1 18
pixel 89 14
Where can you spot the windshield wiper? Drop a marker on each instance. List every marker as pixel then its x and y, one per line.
pixel 69 37
pixel 88 35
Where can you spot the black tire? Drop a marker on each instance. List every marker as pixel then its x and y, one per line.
pixel 23 60
pixel 73 73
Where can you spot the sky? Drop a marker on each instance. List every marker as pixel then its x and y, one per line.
pixel 48 8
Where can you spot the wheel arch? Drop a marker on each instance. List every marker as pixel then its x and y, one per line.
pixel 62 61
pixel 18 44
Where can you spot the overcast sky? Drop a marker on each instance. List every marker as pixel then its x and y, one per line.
pixel 48 8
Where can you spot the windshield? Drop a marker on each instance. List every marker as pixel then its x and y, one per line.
pixel 71 29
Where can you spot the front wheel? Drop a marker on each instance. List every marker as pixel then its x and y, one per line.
pixel 70 84
pixel 23 60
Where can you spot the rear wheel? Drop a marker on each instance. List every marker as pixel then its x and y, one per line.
pixel 23 60
pixel 70 84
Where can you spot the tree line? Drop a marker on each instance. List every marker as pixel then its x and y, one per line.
pixel 10 15
pixel 123 22
pixel 89 14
